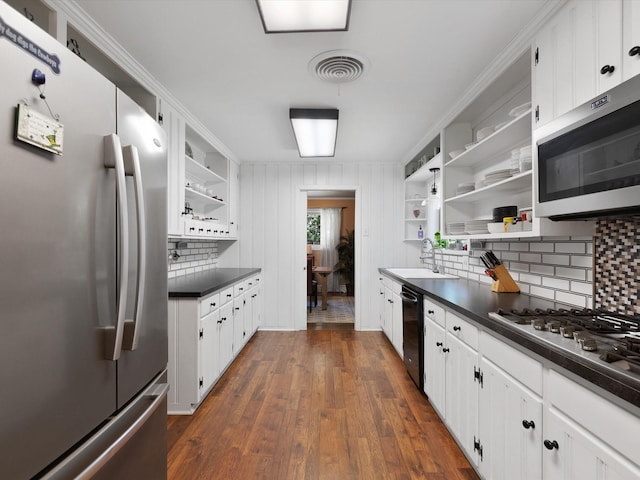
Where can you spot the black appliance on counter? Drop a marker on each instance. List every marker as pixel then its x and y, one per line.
pixel 413 334
pixel 610 341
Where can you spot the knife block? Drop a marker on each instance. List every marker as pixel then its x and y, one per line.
pixel 504 283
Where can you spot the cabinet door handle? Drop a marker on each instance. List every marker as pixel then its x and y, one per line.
pixel 438 344
pixel 550 445
pixel 456 328
pixel 634 51
pixel 445 350
pixel 431 312
pixel 528 424
pixel 213 304
pixel 219 321
pixel 607 69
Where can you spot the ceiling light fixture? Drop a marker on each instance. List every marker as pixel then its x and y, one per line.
pixel 315 130
pixel 288 16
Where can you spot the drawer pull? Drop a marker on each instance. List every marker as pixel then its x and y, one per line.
pixel 607 69
pixel 438 344
pixel 456 328
pixel 445 350
pixel 528 424
pixel 634 51
pixel 431 312
pixel 550 445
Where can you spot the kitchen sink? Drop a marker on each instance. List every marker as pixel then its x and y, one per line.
pixel 420 273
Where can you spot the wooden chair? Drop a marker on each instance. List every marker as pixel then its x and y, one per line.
pixel 312 284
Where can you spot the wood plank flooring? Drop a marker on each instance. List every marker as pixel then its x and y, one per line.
pixel 316 404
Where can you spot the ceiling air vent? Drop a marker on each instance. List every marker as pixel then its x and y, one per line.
pixel 339 66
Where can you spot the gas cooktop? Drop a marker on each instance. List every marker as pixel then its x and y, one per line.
pixel 609 340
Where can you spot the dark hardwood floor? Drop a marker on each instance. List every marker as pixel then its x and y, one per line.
pixel 316 404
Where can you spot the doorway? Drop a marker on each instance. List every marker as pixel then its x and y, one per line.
pixel 330 218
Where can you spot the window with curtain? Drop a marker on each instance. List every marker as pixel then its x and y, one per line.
pixel 330 227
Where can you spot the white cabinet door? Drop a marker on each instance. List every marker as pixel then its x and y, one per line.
pixel 510 424
pixel 609 47
pixel 631 38
pixel 225 329
pixel 572 453
pixel 209 341
pixel 234 198
pixel 434 365
pixel 462 393
pixel 397 324
pixel 388 314
pixel 544 86
pixel 238 323
pixel 173 124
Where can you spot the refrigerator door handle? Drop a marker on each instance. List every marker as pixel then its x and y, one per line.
pixel 113 158
pixel 132 168
pixel 103 446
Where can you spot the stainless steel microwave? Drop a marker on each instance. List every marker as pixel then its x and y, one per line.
pixel 588 160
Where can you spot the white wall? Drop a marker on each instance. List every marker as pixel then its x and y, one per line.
pixel 266 230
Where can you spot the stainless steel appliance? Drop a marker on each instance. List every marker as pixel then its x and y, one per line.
pixel 608 341
pixel 83 279
pixel 413 334
pixel 588 160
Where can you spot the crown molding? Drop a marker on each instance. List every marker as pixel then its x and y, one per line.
pixel 500 63
pixel 87 26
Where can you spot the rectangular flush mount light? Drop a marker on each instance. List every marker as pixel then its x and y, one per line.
pixel 315 130
pixel 287 16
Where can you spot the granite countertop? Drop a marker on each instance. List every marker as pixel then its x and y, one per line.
pixel 200 284
pixel 474 300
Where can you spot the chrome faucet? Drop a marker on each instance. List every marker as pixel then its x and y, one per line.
pixel 425 253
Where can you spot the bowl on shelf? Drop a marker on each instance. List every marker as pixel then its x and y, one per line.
pixel 455 153
pixel 497 227
pixel 470 145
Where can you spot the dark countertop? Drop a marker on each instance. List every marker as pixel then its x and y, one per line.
pixel 474 300
pixel 203 283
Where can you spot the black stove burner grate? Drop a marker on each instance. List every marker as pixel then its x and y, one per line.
pixel 595 321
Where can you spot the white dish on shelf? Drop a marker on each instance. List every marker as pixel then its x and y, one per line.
pixel 485 132
pixel 516 112
pixel 455 153
pixel 500 125
pixel 470 145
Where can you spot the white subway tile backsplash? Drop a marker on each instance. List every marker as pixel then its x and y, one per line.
pixel 584 288
pixel 531 257
pixel 571 299
pixel 574 273
pixel 582 261
pixel 542 269
pixel 555 268
pixel 519 246
pixel 556 259
pixel 518 267
pixel 577 247
pixel 195 257
pixel 542 292
pixel 541 247
pixel 555 283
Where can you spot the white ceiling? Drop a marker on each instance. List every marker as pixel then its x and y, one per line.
pixel 215 58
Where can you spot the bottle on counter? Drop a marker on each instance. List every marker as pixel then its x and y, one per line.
pixel 420 232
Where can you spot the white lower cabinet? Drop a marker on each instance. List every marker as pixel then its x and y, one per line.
pixel 586 437
pixel 434 365
pixel 392 325
pixel 205 335
pixel 516 418
pixel 510 428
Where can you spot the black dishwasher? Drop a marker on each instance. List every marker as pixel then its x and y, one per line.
pixel 413 335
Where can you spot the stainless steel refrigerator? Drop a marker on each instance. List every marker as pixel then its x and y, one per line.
pixel 83 293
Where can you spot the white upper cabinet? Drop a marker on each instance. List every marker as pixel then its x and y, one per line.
pixel 586 49
pixel 630 38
